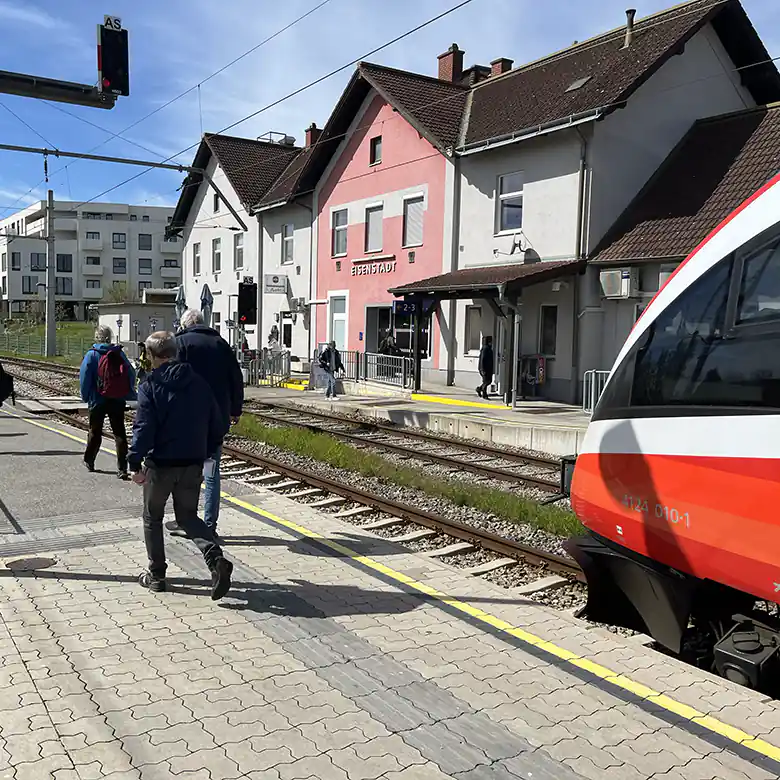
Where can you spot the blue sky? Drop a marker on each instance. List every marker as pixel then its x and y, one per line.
pixel 175 44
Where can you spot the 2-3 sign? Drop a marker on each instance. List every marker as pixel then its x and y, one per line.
pixel 112 23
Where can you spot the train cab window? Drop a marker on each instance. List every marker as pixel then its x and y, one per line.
pixel 759 294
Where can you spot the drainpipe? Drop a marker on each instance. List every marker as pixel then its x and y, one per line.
pixel 454 253
pixel 259 325
pixel 310 209
pixel 579 254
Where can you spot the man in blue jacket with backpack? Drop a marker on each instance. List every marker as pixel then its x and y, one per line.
pixel 107 381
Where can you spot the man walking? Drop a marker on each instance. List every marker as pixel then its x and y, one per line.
pixel 107 381
pixel 177 424
pixel 330 363
pixel 211 357
pixel 485 366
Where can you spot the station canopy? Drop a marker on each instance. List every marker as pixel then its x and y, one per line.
pixel 494 281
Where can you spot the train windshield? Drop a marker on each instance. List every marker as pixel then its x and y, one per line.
pixel 716 346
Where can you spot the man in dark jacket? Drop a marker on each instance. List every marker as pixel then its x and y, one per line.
pixel 485 366
pixel 100 406
pixel 212 358
pixel 177 424
pixel 330 363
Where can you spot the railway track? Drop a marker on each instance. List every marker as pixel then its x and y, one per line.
pixel 42 365
pixel 480 459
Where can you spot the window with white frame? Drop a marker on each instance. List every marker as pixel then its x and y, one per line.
pixel 375 153
pixel 238 251
pixel 339 232
pixel 473 334
pixel 195 259
pixel 548 330
pixel 414 208
pixel 216 255
pixel 510 202
pixel 374 228
pixel 288 247
pixel 119 240
pixel 338 321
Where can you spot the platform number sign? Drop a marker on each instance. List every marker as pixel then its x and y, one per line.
pixel 112 23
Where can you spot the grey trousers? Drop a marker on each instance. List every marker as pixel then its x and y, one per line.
pixel 183 482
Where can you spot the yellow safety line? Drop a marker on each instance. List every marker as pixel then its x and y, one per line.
pixel 440 399
pixel 638 689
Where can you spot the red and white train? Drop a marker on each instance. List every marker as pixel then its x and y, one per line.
pixel 678 481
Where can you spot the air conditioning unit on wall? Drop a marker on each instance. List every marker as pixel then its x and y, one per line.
pixel 665 273
pixel 619 283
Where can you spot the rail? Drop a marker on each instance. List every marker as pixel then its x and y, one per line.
pixel 593 386
pixel 397 370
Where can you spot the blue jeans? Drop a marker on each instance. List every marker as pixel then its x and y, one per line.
pixel 331 388
pixel 211 494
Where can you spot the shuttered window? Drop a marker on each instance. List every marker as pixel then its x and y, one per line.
pixel 374 228
pixel 413 221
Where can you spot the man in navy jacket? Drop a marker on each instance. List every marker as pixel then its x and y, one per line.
pixel 177 424
pixel 212 358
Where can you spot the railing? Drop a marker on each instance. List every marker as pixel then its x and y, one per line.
pixel 270 368
pixel 593 386
pixel 71 347
pixel 395 370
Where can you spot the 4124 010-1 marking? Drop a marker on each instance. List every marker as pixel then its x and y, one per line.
pixel 658 510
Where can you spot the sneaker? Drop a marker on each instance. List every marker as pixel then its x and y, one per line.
pixel 220 578
pixel 122 474
pixel 152 583
pixel 89 466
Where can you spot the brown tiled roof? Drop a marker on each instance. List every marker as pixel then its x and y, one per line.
pixel 284 187
pixel 471 279
pixel 535 94
pixel 717 165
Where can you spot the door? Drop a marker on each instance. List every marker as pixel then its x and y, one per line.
pixel 377 324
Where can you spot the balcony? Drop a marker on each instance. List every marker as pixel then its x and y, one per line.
pixel 66 223
pixel 172 247
pixel 91 270
pixel 91 244
pixel 92 293
pixel 170 272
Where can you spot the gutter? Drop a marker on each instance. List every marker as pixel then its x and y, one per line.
pixel 274 205
pixel 531 132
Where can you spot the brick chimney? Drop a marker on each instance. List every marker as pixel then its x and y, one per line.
pixel 499 66
pixel 451 64
pixel 313 134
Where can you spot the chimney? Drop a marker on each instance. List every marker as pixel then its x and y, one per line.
pixel 451 64
pixel 313 134
pixel 630 14
pixel 499 66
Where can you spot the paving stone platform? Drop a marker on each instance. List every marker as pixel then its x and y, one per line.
pixel 337 655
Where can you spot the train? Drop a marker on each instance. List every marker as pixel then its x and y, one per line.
pixel 678 480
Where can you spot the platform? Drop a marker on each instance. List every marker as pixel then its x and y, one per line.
pixel 337 656
pixel 544 426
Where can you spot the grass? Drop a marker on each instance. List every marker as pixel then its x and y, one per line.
pixel 66 360
pixel 504 504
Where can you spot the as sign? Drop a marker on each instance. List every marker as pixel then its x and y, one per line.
pixel 112 23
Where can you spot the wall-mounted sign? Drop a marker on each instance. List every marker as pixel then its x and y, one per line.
pixel 373 268
pixel 404 307
pixel 275 284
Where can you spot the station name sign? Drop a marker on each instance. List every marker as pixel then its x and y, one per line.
pixel 374 268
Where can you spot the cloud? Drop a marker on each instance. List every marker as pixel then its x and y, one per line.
pixel 27 15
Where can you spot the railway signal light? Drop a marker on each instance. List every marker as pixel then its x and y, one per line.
pixel 247 303
pixel 113 58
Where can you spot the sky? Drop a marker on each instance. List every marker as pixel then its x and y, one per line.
pixel 176 45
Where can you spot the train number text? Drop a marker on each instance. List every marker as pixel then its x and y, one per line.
pixel 660 511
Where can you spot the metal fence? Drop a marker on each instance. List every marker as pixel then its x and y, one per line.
pixel 592 387
pixel 269 368
pixel 395 370
pixel 33 344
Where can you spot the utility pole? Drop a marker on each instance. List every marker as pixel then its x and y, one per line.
pixel 51 259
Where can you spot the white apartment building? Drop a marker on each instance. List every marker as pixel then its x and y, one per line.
pixel 104 252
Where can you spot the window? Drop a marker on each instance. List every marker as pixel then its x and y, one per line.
pixel 473 339
pixel 374 228
pixel 92 235
pixel 2 286
pixel 238 251
pixel 195 259
pixel 91 260
pixel 134 217
pixel 16 261
pixel 287 329
pixel 29 285
pixel 170 285
pixel 759 292
pixel 216 202
pixel 119 241
pixel 145 266
pixel 338 322
pixel 3 261
pixel 170 262
pixel 109 216
pixel 143 286
pixel 145 218
pixel 93 284
pixel 91 215
pixel 216 319
pixel 65 264
pixel 288 248
pixel 339 233
pixel 63 285
pixel 375 150
pixel 510 202
pixel 120 265
pixel 548 330
pixel 414 208
pixel 145 242
pixel 216 255
pixel 37 261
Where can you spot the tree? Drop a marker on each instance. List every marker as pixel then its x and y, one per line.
pixel 119 292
